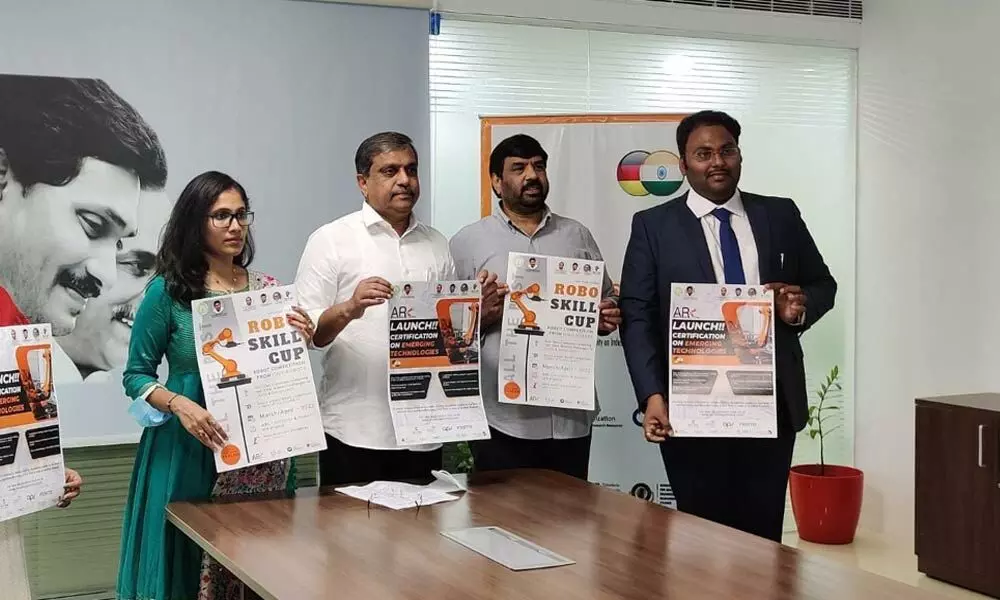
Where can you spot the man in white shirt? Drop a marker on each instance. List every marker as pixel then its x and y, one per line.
pixel 344 281
pixel 716 233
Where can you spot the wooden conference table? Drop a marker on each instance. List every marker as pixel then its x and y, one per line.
pixel 324 545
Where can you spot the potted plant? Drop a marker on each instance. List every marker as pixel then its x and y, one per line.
pixel 826 499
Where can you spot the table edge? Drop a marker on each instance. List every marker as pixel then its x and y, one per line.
pixel 218 555
pixel 243 576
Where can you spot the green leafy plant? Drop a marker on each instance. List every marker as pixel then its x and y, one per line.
pixel 822 411
pixel 458 458
pixel 465 461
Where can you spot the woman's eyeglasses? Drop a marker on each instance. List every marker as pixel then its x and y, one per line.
pixel 223 219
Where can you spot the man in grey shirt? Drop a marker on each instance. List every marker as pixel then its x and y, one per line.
pixel 526 436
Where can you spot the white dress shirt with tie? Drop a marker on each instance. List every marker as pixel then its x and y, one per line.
pixel 702 208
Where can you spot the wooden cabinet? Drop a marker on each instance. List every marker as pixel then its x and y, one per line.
pixel 958 490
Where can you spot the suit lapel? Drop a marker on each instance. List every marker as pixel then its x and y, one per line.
pixel 696 238
pixel 759 223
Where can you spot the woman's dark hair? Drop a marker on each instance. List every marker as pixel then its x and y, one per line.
pixel 181 258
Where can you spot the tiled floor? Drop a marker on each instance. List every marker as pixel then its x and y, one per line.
pixel 871 553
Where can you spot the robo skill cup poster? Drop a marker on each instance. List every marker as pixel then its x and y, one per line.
pixel 257 377
pixel 548 342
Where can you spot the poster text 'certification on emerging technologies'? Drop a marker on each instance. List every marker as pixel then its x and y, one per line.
pixel 434 349
pixel 722 378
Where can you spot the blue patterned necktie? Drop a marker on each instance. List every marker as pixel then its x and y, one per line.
pixel 732 262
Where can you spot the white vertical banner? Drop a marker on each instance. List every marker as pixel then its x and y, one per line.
pixel 603 169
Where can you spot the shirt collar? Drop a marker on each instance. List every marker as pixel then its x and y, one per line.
pixel 702 206
pixel 371 218
pixel 500 214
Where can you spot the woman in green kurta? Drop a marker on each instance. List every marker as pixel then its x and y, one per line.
pixel 205 251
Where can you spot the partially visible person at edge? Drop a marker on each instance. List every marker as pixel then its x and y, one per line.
pixel 206 251
pixel 13 569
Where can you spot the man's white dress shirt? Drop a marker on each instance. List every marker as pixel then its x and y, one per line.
pixel 353 391
pixel 702 208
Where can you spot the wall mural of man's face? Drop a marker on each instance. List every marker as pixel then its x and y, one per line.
pixel 58 244
pixel 101 337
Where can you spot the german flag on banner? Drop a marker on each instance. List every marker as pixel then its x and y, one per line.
pixel 629 173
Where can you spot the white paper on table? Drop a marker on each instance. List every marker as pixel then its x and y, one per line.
pixel 398 496
pixel 446 482
pixel 506 548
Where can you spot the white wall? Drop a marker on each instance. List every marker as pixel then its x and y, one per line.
pixel 927 206
pixel 643 16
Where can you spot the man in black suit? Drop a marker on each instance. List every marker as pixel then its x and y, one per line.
pixel 717 234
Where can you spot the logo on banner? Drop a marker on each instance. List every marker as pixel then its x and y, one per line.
pixel 642 173
pixel 642 491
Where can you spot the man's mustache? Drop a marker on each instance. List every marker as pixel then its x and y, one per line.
pixel 87 286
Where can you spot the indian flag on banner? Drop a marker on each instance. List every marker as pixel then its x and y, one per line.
pixel 660 173
pixel 642 173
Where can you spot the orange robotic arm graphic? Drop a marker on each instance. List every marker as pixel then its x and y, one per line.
pixel 458 350
pixel 528 316
pixel 41 391
pixel 447 326
pixel 230 369
pixel 470 329
pixel 730 313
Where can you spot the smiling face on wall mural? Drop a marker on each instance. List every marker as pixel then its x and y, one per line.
pixel 99 342
pixel 75 160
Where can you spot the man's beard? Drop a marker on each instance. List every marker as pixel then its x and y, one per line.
pixel 529 205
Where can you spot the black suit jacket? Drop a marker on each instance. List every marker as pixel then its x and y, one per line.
pixel 668 245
